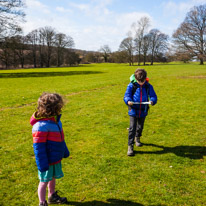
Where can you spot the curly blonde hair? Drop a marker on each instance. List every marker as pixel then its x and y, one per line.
pixel 49 104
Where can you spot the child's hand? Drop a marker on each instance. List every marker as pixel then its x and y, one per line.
pixel 130 103
pixel 151 103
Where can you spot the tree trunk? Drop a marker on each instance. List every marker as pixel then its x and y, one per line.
pixel 34 58
pixel 152 58
pixel 132 60
pixel 48 63
pixel 105 58
pixel 6 64
pixel 58 60
pixel 201 61
pixel 144 59
pixel 22 63
pixel 139 59
pixel 48 58
pixel 41 57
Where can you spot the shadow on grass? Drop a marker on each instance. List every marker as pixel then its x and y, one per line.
pixel 192 152
pixel 110 202
pixel 46 74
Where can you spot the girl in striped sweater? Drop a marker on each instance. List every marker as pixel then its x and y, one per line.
pixel 49 146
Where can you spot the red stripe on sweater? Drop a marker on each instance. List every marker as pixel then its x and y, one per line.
pixel 54 138
pixel 39 137
pixel 39 134
pixel 140 100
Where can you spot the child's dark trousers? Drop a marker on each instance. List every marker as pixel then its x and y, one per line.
pixel 135 128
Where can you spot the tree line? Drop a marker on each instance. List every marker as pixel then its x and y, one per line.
pixel 45 47
pixel 188 42
pixel 148 46
pixel 42 47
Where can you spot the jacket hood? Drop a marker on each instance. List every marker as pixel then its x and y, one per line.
pixel 34 119
pixel 133 79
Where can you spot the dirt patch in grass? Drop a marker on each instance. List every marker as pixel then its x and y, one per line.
pixel 194 77
pixel 70 94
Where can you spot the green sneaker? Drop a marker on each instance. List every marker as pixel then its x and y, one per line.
pixel 56 199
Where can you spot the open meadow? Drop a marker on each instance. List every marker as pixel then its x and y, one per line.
pixel 169 170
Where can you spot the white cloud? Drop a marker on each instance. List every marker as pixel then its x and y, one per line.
pixel 91 25
pixel 176 12
pixel 82 7
pixel 37 5
pixel 63 10
pixel 102 28
pixel 111 33
pixel 102 2
pixel 125 20
pixel 95 9
pixel 94 24
pixel 198 2
pixel 172 8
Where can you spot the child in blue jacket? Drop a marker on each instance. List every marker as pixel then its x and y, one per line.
pixel 138 92
pixel 49 146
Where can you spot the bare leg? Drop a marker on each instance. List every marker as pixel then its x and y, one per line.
pixel 51 187
pixel 42 191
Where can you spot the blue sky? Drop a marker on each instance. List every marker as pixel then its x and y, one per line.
pixel 94 23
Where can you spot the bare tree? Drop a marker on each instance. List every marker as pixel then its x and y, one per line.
pixel 127 46
pixel 42 52
pixel 145 46
pixel 183 56
pixel 37 43
pixel 33 40
pixel 191 34
pixel 47 39
pixel 140 29
pixel 158 43
pixel 6 52
pixel 19 48
pixel 10 14
pixel 106 51
pixel 92 57
pixel 62 41
pixel 119 57
pixel 72 58
pixel 48 47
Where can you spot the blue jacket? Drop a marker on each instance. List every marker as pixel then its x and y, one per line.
pixel 48 141
pixel 140 95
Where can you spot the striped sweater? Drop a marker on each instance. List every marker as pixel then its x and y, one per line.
pixel 48 141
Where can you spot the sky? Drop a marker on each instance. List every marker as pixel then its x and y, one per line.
pixel 95 23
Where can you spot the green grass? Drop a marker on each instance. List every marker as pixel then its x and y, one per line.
pixel 169 169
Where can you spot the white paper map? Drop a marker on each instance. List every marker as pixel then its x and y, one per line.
pixel 141 102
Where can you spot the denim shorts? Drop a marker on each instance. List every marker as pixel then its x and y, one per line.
pixel 55 171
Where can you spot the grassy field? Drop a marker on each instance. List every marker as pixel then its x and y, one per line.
pixel 170 169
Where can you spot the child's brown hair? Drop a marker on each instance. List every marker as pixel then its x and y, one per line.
pixel 140 75
pixel 49 104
